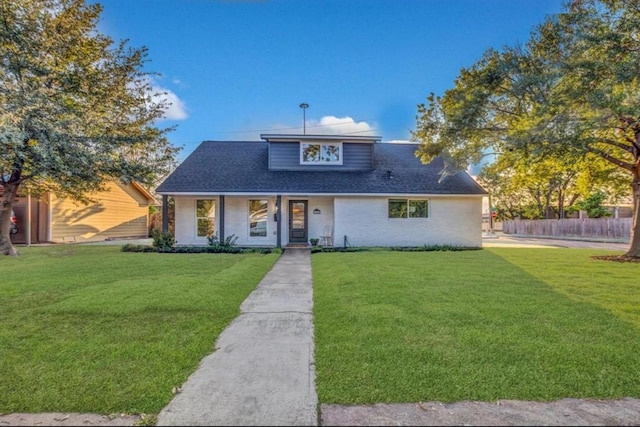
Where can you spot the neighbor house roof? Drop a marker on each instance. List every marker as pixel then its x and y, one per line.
pixel 242 167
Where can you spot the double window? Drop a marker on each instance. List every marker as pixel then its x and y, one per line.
pixel 407 208
pixel 313 154
pixel 205 218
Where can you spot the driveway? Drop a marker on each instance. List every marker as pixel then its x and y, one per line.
pixel 499 240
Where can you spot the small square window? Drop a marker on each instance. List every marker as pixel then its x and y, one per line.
pixel 397 208
pixel 405 208
pixel 310 153
pixel 418 208
pixel 331 153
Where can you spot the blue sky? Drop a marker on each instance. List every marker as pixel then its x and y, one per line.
pixel 235 69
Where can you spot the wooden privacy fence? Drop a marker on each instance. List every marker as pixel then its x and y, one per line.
pixel 609 228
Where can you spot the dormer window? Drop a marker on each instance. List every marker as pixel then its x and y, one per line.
pixel 321 154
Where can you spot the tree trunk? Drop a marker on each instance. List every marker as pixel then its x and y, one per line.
pixel 560 204
pixel 6 247
pixel 547 206
pixel 634 248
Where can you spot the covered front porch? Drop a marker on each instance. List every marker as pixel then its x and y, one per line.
pixel 253 220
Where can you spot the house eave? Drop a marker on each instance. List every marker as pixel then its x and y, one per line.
pixel 150 199
pixel 270 137
pixel 309 194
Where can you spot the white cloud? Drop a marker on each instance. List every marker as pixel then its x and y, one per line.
pixel 332 125
pixel 401 141
pixel 177 109
pixel 327 125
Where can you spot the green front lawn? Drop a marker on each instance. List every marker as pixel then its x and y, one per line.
pixel 500 323
pixel 93 329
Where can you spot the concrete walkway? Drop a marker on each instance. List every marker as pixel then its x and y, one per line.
pixel 262 371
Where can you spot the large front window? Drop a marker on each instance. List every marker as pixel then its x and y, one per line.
pixel 205 217
pixel 258 218
pixel 321 153
pixel 407 208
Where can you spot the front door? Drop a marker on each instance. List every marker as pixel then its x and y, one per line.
pixel 298 221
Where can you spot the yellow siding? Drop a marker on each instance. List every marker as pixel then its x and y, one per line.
pixel 120 212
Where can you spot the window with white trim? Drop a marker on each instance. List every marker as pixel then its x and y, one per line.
pixel 408 208
pixel 258 215
pixel 205 218
pixel 321 153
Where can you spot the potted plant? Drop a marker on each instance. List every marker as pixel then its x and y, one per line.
pixel 314 242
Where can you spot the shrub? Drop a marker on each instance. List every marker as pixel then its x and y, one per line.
pixel 163 242
pixel 316 249
pixel 593 205
pixel 427 248
pixel 229 241
pixel 129 247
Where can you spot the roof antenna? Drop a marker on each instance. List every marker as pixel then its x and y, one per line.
pixel 304 107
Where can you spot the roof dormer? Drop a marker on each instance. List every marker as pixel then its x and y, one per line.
pixel 320 152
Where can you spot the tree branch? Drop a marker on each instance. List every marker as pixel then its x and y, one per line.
pixel 627 148
pixel 610 158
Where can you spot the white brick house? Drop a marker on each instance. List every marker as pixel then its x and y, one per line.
pixel 288 189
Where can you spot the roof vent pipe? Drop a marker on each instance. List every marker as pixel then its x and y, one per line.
pixel 389 175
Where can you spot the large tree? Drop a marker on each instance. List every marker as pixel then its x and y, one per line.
pixel 548 187
pixel 571 93
pixel 76 109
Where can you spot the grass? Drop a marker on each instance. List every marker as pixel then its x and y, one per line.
pixel 501 323
pixel 93 329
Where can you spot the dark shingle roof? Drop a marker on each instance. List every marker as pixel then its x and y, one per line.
pixel 228 167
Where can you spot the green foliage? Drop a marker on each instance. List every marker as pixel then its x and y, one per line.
pixel 130 247
pixel 219 249
pixel 522 188
pixel 317 249
pixel 76 109
pixel 163 241
pixel 593 205
pixel 430 248
pixel 228 242
pixel 568 96
pixel 213 249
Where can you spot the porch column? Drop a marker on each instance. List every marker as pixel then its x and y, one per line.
pixel 221 221
pixel 279 221
pixel 165 213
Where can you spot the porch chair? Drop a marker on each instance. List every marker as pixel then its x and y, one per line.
pixel 326 239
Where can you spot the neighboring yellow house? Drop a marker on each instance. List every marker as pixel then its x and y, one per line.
pixel 120 212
